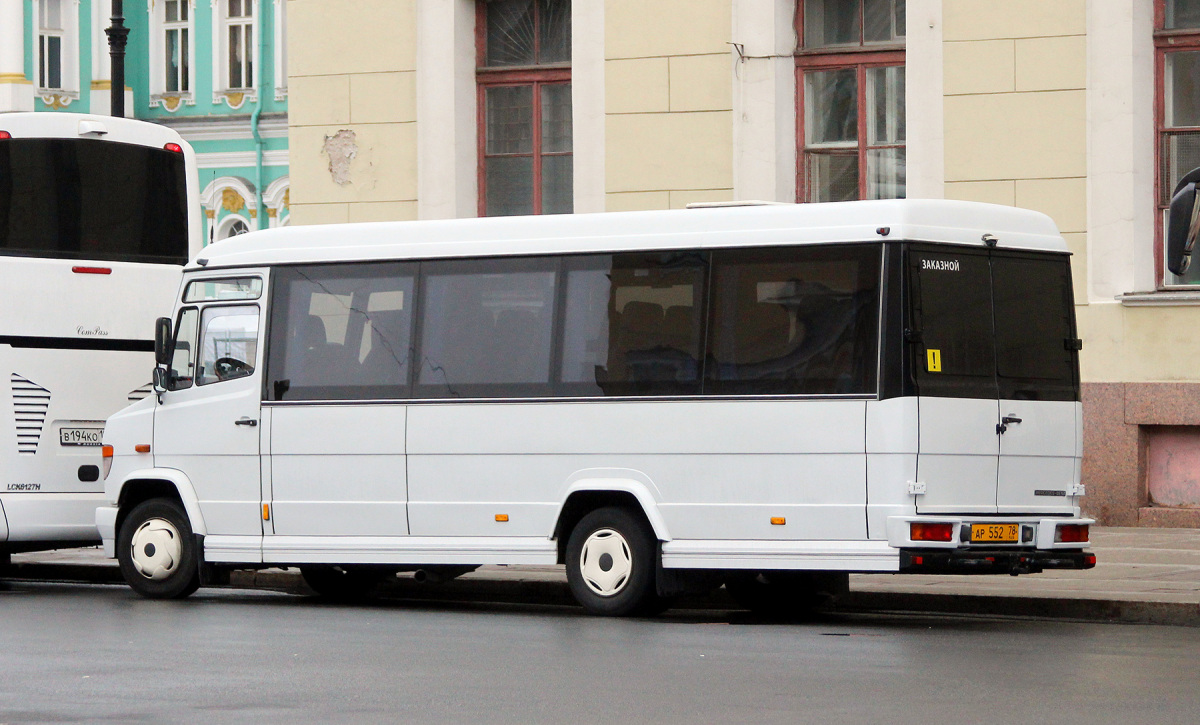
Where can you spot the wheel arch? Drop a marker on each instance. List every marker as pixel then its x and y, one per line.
pixel 585 494
pixel 147 484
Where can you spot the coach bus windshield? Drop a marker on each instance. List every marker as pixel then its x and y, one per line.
pixel 92 199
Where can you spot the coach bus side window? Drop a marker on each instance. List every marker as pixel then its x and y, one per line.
pixel 228 343
pixel 802 320
pixel 183 360
pixel 486 328
pixel 341 332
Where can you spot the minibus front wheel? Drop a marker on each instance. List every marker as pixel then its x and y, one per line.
pixel 157 552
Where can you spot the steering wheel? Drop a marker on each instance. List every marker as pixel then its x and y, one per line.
pixel 231 367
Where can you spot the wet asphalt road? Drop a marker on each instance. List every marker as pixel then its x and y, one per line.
pixel 75 653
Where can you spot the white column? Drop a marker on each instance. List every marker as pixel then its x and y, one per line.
pixel 764 100
pixel 447 170
pixel 924 123
pixel 587 105
pixel 1120 148
pixel 16 90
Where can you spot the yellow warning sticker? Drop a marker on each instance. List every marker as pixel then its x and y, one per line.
pixel 933 360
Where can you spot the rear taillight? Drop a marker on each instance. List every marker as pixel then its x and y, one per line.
pixel 918 531
pixel 107 453
pixel 5 134
pixel 1071 534
pixel 174 147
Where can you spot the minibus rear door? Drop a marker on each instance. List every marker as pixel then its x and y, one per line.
pixel 1037 373
pixel 950 337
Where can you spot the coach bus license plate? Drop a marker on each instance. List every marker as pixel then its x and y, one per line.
pixel 995 533
pixel 80 436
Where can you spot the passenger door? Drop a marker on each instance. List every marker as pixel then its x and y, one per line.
pixel 339 333
pixel 207 426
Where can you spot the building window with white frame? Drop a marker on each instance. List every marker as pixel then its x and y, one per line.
pixel 176 40
pixel 239 43
pixel 51 32
pixel 850 95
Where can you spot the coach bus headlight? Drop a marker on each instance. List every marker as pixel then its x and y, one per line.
pixel 107 453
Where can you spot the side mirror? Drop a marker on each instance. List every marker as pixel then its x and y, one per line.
pixel 1183 223
pixel 160 380
pixel 162 341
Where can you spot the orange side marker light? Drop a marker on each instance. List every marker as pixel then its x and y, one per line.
pixel 142 448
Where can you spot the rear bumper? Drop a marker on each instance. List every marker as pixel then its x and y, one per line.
pixel 991 561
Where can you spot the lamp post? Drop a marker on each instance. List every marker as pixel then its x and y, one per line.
pixel 118 36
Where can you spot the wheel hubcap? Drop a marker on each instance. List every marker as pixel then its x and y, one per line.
pixel 156 549
pixel 605 562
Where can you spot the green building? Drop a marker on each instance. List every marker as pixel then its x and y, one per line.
pixel 214 70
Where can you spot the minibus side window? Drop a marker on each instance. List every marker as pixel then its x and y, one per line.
pixel 228 343
pixel 341 332
pixel 801 320
pixel 486 328
pixel 183 356
pixel 634 325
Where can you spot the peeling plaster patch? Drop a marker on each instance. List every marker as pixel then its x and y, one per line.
pixel 341 150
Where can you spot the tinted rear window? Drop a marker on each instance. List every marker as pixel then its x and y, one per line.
pixel 90 199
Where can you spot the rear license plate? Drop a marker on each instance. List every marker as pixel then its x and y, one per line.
pixel 80 436
pixel 995 533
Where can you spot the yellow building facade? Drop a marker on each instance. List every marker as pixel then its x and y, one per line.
pixel 416 109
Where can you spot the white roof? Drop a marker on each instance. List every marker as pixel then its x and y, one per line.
pixel 955 222
pixel 40 124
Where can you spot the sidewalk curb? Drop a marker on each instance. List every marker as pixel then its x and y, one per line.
pixel 514 588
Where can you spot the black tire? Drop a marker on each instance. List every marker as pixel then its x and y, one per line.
pixel 623 583
pixel 165 563
pixel 784 594
pixel 340 583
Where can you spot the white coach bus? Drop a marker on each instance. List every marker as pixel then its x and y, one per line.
pixel 768 397
pixel 97 218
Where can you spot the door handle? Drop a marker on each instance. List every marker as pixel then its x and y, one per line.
pixel 1002 426
pixel 246 421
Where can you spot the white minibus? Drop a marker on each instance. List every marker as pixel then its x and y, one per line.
pixel 767 397
pixel 97 217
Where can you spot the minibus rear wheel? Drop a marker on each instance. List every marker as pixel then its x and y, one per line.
pixel 157 552
pixel 610 563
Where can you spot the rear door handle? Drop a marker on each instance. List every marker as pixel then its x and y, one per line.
pixel 1002 426
pixel 246 421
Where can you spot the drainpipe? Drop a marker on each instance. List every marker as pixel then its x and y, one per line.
pixel 259 142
